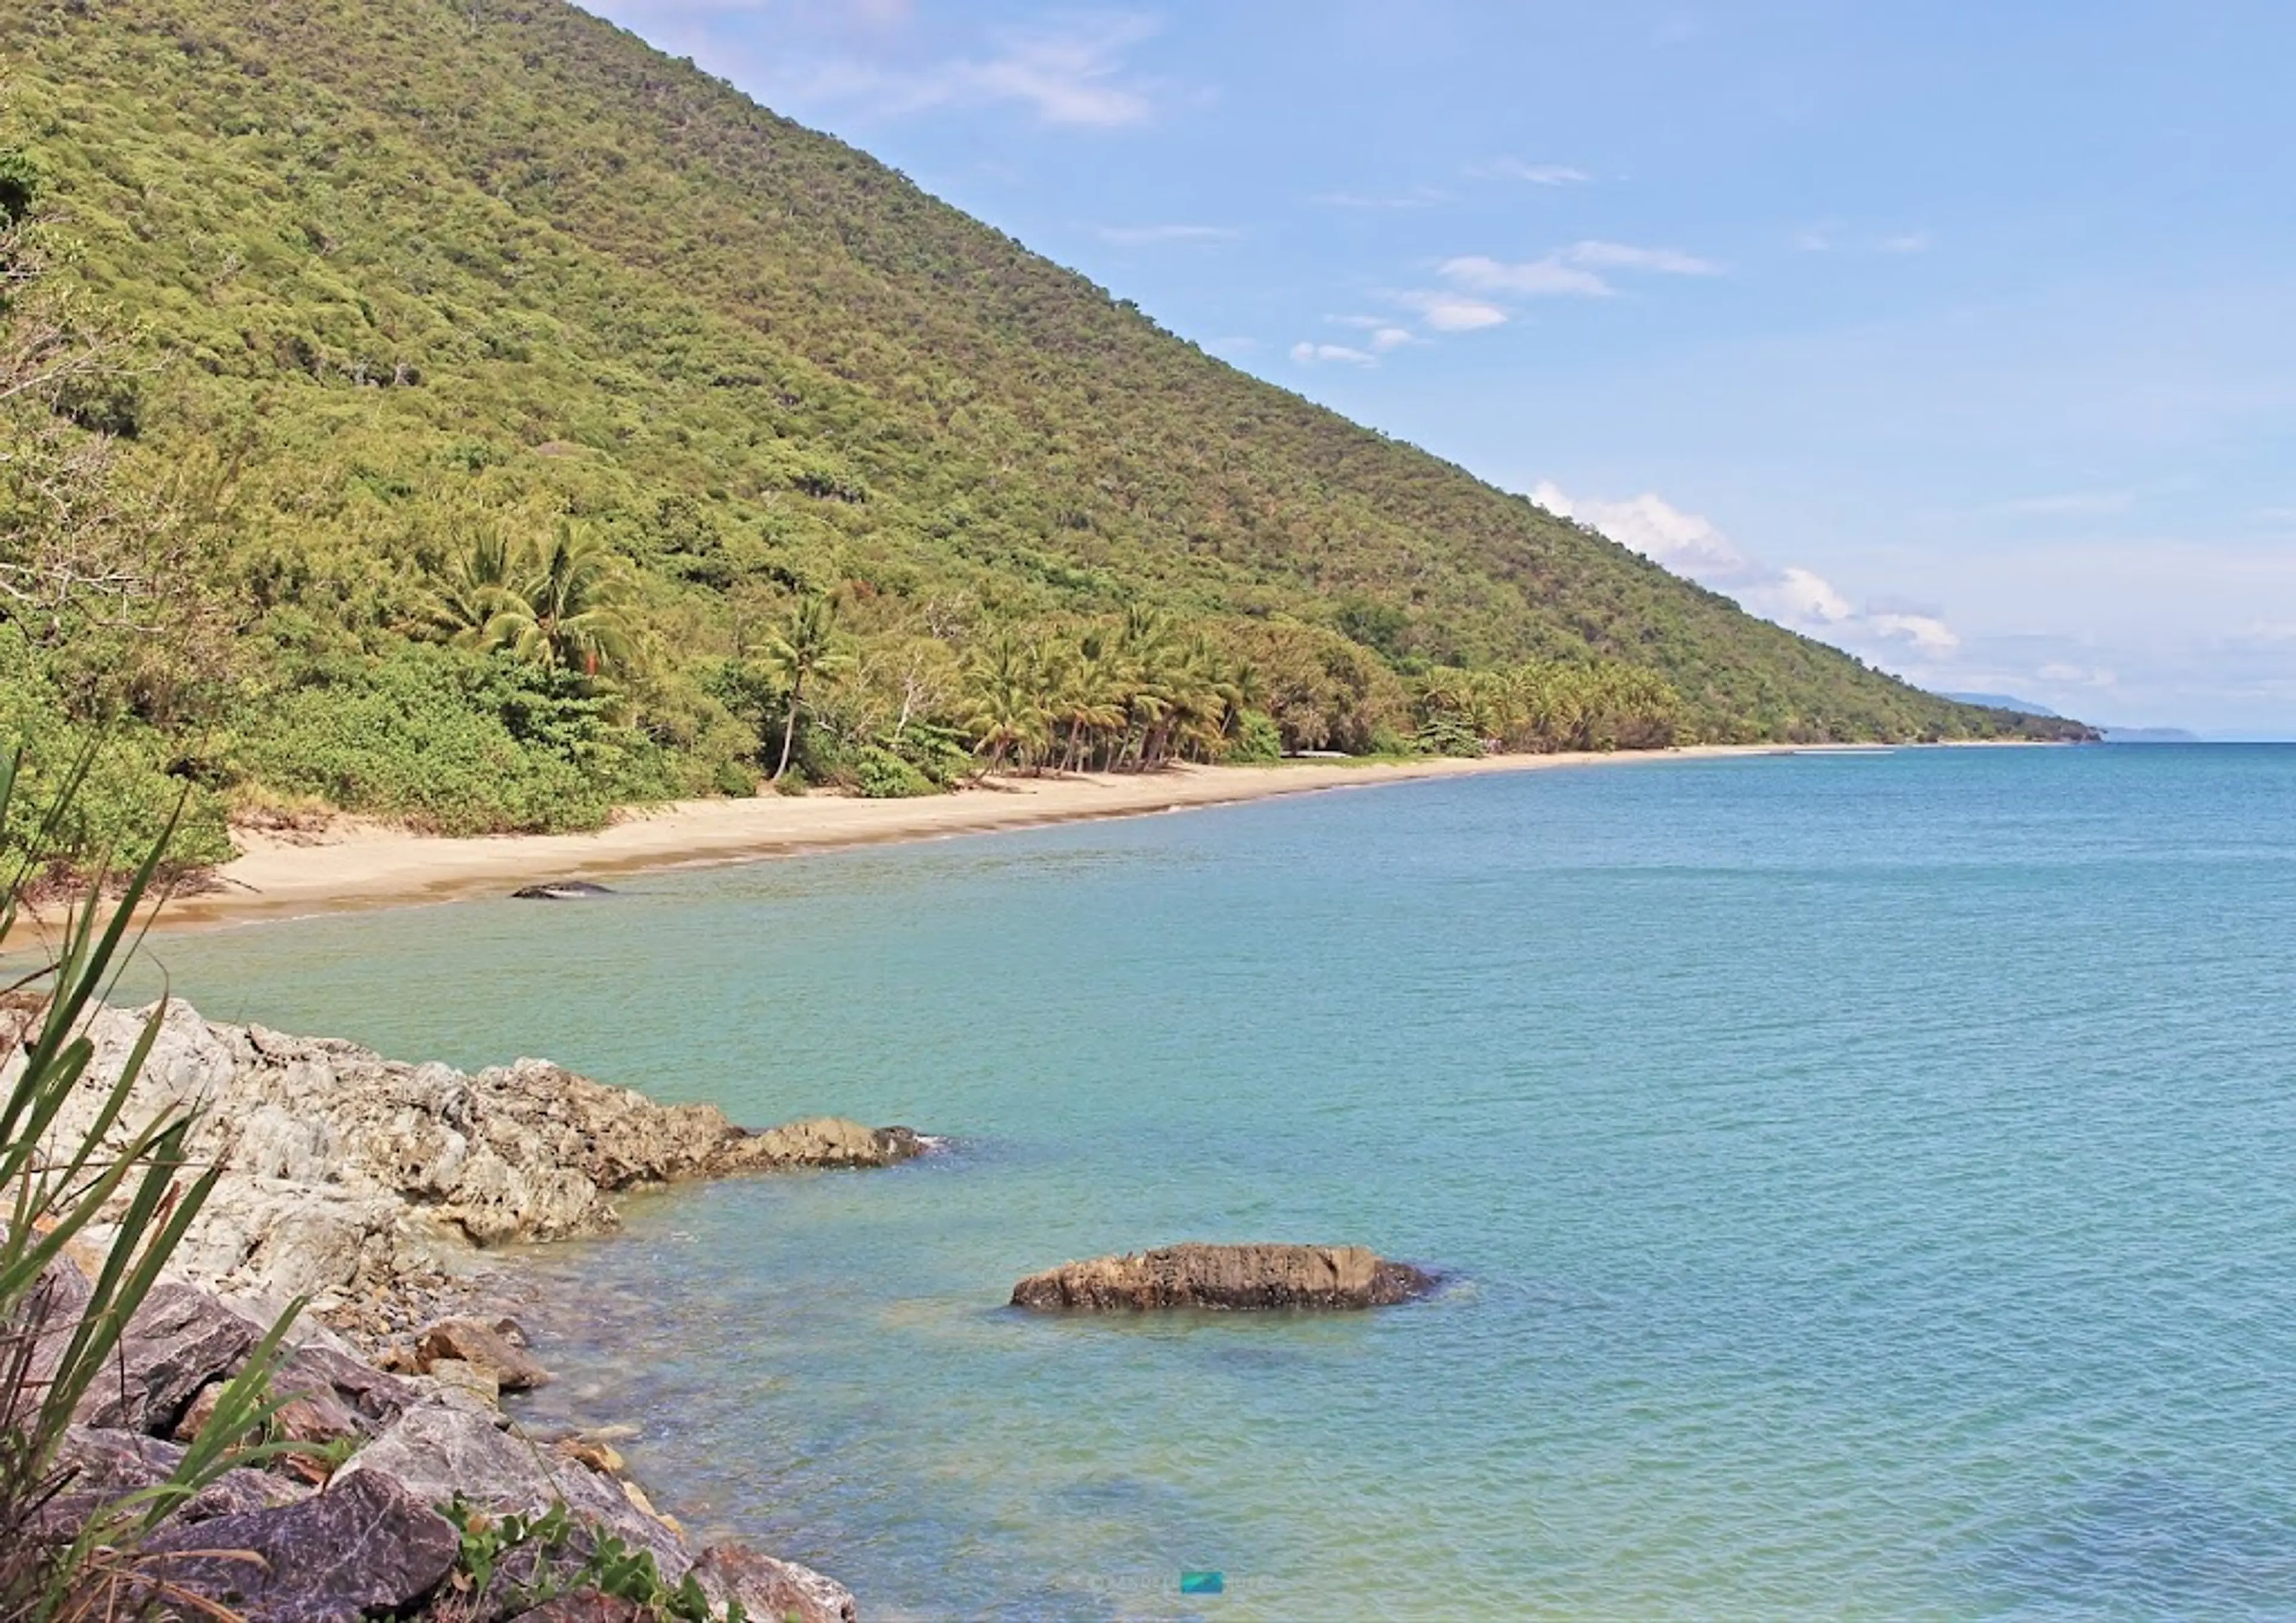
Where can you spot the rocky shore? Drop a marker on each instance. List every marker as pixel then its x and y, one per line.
pixel 374 1190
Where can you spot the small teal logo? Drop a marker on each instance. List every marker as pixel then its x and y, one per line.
pixel 1203 1583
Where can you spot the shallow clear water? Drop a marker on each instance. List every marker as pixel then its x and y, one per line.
pixel 1867 1181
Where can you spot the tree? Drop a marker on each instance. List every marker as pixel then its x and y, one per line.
pixel 565 605
pixel 804 649
pixel 567 609
pixel 1004 708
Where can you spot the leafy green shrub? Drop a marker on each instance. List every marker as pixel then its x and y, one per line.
pixel 127 797
pixel 1257 741
pixel 880 775
pixel 453 742
pixel 532 1560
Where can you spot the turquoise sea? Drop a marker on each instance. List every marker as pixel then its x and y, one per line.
pixel 1867 1182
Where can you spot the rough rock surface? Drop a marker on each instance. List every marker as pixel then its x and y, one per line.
pixel 484 1349
pixel 770 1588
pixel 353 1180
pixel 364 1544
pixel 365 1185
pixel 1226 1276
pixel 179 1340
pixel 444 1449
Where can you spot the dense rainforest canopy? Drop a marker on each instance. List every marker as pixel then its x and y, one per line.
pixel 458 410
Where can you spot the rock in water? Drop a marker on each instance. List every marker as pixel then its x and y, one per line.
pixel 560 891
pixel 1226 1277
pixel 483 1348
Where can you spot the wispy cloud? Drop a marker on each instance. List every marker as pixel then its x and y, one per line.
pixel 1574 272
pixel 1150 236
pixel 1308 354
pixel 1418 197
pixel 1906 242
pixel 1620 256
pixel 1384 334
pixel 1798 598
pixel 1073 72
pixel 1535 174
pixel 1531 278
pixel 2075 503
pixel 1451 312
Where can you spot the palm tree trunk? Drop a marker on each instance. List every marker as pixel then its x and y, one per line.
pixel 788 731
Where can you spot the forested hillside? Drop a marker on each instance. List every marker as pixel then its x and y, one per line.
pixel 461 410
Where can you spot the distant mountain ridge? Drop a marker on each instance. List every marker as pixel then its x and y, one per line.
pixel 2003 701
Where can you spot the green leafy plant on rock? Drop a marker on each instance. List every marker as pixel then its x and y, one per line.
pixel 60 1329
pixel 538 1558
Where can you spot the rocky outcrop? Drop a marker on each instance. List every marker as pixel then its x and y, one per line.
pixel 370 1187
pixel 1226 1277
pixel 360 1182
pixel 357 1528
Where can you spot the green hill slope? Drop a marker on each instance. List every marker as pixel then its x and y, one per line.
pixel 407 270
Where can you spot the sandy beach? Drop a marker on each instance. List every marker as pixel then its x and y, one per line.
pixel 354 863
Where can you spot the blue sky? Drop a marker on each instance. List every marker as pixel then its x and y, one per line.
pixel 1963 336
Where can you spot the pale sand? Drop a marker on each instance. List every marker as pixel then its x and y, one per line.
pixel 358 864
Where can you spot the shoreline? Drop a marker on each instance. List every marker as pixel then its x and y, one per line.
pixel 357 865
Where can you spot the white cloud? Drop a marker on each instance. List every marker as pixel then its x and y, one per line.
pixel 1418 197
pixel 1570 273
pixel 1149 236
pixel 1535 174
pixel 1308 354
pixel 1535 278
pixel 1451 312
pixel 1906 242
pixel 1073 73
pixel 1684 542
pixel 1620 256
pixel 2076 503
pixel 1797 598
pixel 1384 334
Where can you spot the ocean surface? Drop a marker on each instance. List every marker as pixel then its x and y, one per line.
pixel 1867 1184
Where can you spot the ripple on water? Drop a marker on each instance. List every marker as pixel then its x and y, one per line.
pixel 1866 1183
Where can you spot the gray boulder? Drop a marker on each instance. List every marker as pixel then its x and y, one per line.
pixel 765 1587
pixel 440 1450
pixel 363 1546
pixel 179 1340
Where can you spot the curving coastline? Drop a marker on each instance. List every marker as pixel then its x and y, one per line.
pixel 353 864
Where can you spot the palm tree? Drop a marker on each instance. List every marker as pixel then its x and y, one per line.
pixel 1005 709
pixel 804 649
pixel 567 607
pixel 461 605
pixel 563 606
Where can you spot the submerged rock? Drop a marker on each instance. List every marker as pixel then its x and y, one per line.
pixel 560 891
pixel 1226 1277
